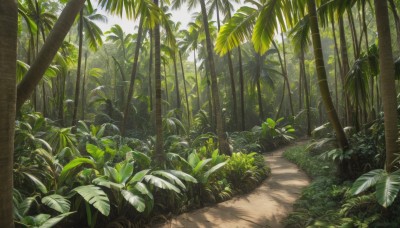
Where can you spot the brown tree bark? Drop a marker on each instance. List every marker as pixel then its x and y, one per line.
pixel 8 68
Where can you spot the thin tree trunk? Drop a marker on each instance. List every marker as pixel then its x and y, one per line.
pixel 222 140
pixel 159 153
pixel 345 69
pixel 48 51
pixel 83 99
pixel 8 68
pixel 178 96
pixel 260 106
pixel 387 82
pixel 241 81
pixel 197 81
pixel 306 91
pixel 286 75
pixel 300 89
pixel 233 89
pixel 322 79
pixel 151 68
pixel 184 87
pixel 281 102
pixel 78 71
pixel 166 83
pixel 133 76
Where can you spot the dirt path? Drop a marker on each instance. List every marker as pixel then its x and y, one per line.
pixel 266 206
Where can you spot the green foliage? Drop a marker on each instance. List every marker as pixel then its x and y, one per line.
pixel 273 134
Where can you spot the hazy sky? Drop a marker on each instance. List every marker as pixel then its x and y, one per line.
pixel 182 15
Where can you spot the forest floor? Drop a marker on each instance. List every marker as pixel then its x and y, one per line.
pixel 266 206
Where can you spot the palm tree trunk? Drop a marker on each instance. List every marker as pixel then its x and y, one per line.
pixel 48 51
pixel 223 143
pixel 8 68
pixel 286 76
pixel 83 99
pixel 197 81
pixel 322 79
pixel 306 91
pixel 178 96
pixel 78 71
pixel 166 83
pixel 260 106
pixel 241 81
pixel 387 82
pixel 345 69
pixel 159 153
pixel 184 87
pixel 151 70
pixel 133 76
pixel 233 89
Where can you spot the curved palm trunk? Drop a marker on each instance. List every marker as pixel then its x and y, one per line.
pixel 8 68
pixel 159 153
pixel 133 76
pixel 322 79
pixel 387 82
pixel 184 87
pixel 48 51
pixel 78 71
pixel 223 143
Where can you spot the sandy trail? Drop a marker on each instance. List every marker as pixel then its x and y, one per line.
pixel 266 206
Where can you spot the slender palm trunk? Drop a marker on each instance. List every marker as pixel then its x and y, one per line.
pixel 345 68
pixel 260 106
pixel 178 95
pixel 8 68
pixel 306 91
pixel 322 79
pixel 286 75
pixel 83 99
pixel 184 87
pixel 241 81
pixel 233 89
pixel 166 83
pixel 48 51
pixel 159 153
pixel 197 81
pixel 133 76
pixel 223 143
pixel 387 82
pixel 151 69
pixel 78 71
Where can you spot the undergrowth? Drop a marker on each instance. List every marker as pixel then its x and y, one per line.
pixel 326 202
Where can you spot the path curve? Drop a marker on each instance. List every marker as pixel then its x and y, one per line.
pixel 265 206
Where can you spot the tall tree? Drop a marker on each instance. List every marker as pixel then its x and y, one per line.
pixel 8 68
pixel 322 79
pixel 388 89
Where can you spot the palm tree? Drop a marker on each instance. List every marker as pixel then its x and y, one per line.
pixel 223 143
pixel 8 68
pixel 322 79
pixel 387 82
pixel 48 51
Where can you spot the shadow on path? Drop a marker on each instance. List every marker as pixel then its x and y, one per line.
pixel 266 206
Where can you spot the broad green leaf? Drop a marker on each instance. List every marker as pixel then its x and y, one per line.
pixel 173 179
pixel 95 196
pixel 200 166
pixel 143 189
pixel 136 201
pixel 161 183
pixel 53 221
pixel 214 169
pixel 97 153
pixel 57 202
pixel 138 177
pixel 77 162
pixel 182 175
pixel 38 183
pixel 125 171
pixel 387 188
pixel 366 181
